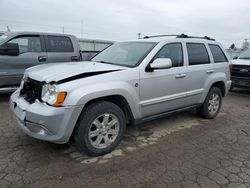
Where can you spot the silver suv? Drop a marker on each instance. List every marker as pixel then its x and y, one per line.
pixel 127 83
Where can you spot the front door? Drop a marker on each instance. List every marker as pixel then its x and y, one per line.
pixel 165 89
pixel 13 67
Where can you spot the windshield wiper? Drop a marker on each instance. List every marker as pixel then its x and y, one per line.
pixel 106 62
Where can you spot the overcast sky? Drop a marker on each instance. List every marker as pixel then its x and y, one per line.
pixel 226 20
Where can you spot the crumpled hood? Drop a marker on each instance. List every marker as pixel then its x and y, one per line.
pixel 57 72
pixel 241 62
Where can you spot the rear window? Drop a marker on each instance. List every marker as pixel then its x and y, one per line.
pixel 197 54
pixel 59 44
pixel 217 53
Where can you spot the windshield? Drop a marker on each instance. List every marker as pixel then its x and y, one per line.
pixel 245 55
pixel 2 37
pixel 127 54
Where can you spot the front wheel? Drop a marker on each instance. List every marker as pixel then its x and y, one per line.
pixel 100 128
pixel 212 104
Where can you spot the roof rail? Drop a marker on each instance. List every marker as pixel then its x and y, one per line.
pixel 155 36
pixel 179 36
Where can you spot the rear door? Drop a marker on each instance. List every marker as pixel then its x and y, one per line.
pixel 32 52
pixel 221 62
pixel 199 69
pixel 60 49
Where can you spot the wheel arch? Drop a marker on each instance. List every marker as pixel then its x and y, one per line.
pixel 221 85
pixel 120 101
pixel 117 99
pixel 217 80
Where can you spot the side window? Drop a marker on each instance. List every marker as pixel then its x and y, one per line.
pixel 217 53
pixel 172 51
pixel 59 44
pixel 28 44
pixel 197 54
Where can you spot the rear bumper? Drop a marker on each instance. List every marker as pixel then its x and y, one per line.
pixel 38 120
pixel 241 82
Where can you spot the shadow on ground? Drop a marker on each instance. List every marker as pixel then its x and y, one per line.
pixel 244 91
pixel 4 97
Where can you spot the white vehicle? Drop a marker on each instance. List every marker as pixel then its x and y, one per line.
pixel 241 71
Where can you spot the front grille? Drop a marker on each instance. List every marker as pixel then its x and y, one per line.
pixel 241 71
pixel 31 90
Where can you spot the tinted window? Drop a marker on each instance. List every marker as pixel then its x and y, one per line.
pixel 217 53
pixel 28 44
pixel 197 54
pixel 59 44
pixel 125 53
pixel 172 51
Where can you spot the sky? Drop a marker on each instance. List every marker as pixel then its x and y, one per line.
pixel 228 21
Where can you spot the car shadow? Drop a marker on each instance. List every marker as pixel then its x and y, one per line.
pixel 244 91
pixel 4 97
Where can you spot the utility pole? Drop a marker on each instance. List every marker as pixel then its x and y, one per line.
pixel 63 29
pixel 139 35
pixel 81 28
pixel 8 28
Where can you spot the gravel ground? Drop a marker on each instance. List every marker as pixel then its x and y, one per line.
pixel 177 151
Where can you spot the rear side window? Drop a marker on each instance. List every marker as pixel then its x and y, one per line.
pixel 59 44
pixel 172 51
pixel 217 53
pixel 197 54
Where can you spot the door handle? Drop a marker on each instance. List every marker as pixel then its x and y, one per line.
pixel 210 71
pixel 42 58
pixel 180 76
pixel 74 58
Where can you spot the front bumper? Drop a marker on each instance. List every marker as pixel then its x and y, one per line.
pixel 241 82
pixel 38 120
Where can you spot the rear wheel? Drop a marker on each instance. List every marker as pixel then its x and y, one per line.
pixel 212 104
pixel 100 128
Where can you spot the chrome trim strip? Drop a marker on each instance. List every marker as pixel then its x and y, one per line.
pixel 194 92
pixel 170 97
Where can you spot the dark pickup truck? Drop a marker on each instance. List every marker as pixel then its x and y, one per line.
pixel 241 71
pixel 21 50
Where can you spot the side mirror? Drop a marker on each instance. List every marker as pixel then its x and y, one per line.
pixel 235 57
pixel 11 49
pixel 161 63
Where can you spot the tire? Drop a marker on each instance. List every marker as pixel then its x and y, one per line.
pixel 208 110
pixel 95 133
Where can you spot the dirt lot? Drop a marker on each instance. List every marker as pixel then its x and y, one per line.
pixel 178 151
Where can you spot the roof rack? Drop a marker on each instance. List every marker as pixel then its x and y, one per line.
pixel 179 36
